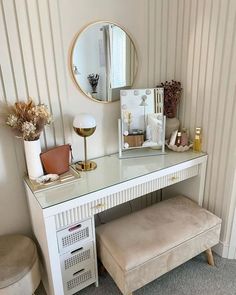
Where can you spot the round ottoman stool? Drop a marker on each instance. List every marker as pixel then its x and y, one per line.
pixel 19 266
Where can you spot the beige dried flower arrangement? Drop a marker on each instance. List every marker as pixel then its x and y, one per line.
pixel 28 119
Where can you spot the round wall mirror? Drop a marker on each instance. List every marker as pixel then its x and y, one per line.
pixel 103 61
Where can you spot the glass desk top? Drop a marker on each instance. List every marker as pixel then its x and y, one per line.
pixel 110 171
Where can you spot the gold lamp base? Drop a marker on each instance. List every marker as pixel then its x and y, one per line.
pixel 85 166
pixel 84 125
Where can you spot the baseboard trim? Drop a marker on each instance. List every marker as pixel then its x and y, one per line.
pixel 221 249
pixel 232 252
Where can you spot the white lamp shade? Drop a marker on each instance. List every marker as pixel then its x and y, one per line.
pixel 84 121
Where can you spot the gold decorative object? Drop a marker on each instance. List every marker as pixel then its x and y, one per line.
pixel 84 125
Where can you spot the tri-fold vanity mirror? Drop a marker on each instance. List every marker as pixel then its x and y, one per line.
pixel 103 61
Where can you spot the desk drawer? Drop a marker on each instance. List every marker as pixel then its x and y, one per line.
pixel 179 176
pixel 100 204
pixel 76 259
pixel 80 279
pixel 141 189
pixel 74 236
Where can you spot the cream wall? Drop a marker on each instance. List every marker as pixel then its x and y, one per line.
pixel 191 41
pixel 198 48
pixel 80 14
pixel 35 37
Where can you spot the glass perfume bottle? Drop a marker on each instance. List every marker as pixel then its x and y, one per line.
pixel 178 139
pixel 197 143
pixel 184 137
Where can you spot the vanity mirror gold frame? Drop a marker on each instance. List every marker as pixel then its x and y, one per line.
pixel 103 60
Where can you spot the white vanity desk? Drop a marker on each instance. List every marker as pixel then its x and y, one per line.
pixel 63 216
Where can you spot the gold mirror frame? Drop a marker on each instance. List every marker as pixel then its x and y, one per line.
pixel 71 50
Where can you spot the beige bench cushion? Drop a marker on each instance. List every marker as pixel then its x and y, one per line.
pixel 17 255
pixel 154 240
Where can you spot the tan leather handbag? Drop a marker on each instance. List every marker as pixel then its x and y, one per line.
pixel 56 160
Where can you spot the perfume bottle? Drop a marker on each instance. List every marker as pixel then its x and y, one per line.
pixel 197 143
pixel 178 139
pixel 184 137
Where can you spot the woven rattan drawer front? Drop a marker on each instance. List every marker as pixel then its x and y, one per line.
pixel 78 258
pixel 80 279
pixel 75 236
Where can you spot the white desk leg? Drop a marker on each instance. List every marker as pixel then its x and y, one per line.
pixel 192 187
pixel 56 282
pixel 95 252
pixel 202 179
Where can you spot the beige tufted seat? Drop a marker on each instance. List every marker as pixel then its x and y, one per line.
pixel 19 266
pixel 140 247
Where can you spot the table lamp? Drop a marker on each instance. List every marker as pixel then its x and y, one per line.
pixel 84 125
pixel 144 105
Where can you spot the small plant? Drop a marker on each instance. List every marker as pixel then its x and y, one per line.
pixel 28 119
pixel 172 95
pixel 93 81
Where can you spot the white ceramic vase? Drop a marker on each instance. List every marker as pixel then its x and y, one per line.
pixel 172 124
pixel 32 156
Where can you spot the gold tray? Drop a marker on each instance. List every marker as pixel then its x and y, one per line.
pixel 67 177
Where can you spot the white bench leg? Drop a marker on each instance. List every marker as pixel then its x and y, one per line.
pixel 210 258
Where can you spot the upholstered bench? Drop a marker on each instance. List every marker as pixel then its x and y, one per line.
pixel 144 245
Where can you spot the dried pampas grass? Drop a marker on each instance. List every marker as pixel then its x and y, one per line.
pixel 28 119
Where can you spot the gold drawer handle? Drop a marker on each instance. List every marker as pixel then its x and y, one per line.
pixel 99 206
pixel 174 178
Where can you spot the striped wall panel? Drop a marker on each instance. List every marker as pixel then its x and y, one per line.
pixel 195 42
pixel 192 41
pixel 31 65
pixel 32 61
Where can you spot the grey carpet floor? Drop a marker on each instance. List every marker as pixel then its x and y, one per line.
pixel 194 277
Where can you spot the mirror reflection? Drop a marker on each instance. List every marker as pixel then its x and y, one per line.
pixel 142 120
pixel 103 61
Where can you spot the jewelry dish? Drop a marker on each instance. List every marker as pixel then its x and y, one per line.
pixel 180 148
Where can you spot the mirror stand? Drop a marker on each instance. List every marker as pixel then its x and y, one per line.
pixel 139 152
